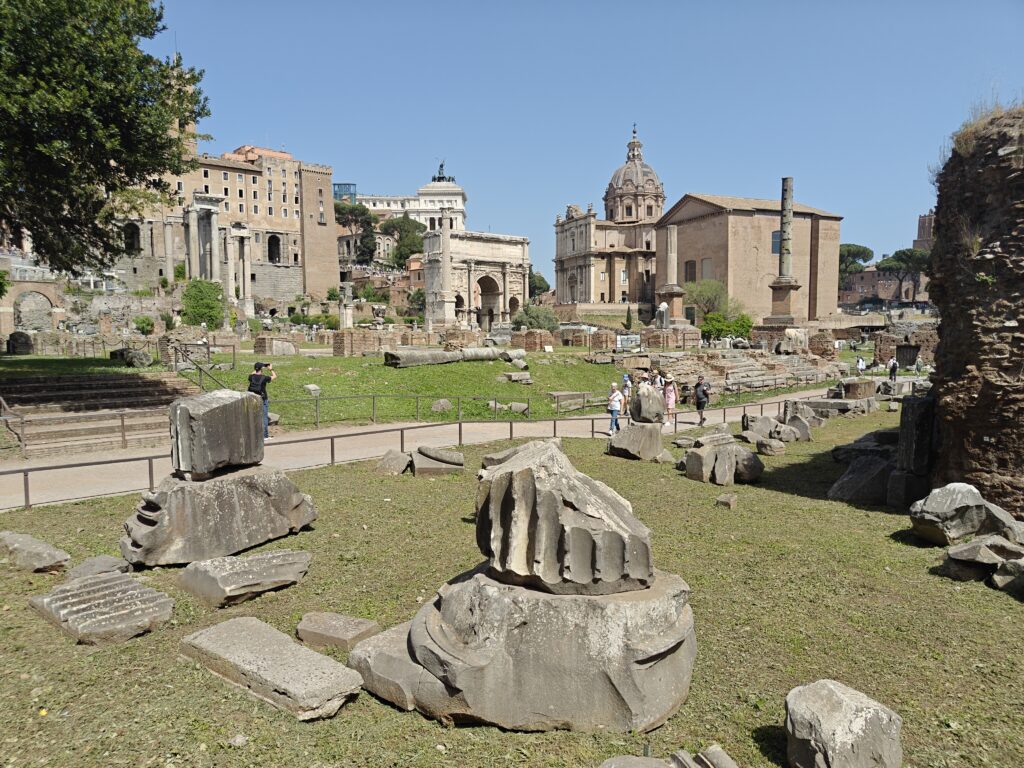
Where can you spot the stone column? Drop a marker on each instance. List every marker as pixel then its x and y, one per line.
pixel 169 252
pixel 214 248
pixel 612 280
pixel 786 229
pixel 246 283
pixel 504 293
pixel 526 287
pixel 671 255
pixel 229 282
pixel 447 298
pixel 193 243
pixel 590 280
pixel 469 292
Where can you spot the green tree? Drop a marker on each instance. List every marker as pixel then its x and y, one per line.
pixel 358 218
pixel 906 264
pixel 708 296
pixel 716 325
pixel 852 258
pixel 179 273
pixel 333 294
pixel 202 302
pixel 628 325
pixel 533 316
pixel 417 301
pixel 89 124
pixel 4 283
pixel 538 284
pixel 410 237
pixel 144 324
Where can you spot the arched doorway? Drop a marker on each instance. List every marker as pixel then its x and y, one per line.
pixel 460 306
pixel 513 307
pixel 33 312
pixel 274 249
pixel 490 301
pixel 132 238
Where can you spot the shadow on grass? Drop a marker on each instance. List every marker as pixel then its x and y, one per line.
pixel 908 538
pixel 811 478
pixel 771 740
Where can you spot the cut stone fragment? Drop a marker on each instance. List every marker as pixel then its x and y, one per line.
pixel 424 466
pixel 443 455
pixel 186 520
pixel 216 430
pixel 394 462
pixel 92 566
pixel 647 406
pixel 830 724
pixel 542 523
pixel 637 441
pixel 1010 577
pixel 492 459
pixel 785 433
pixel 953 512
pixel 105 608
pixel 27 553
pixel 748 467
pixel 866 481
pixel 761 425
pixel 231 580
pixel 728 500
pixel 801 426
pixel 905 488
pixel 333 630
pixel 767 446
pixel 271 666
pixel 441 406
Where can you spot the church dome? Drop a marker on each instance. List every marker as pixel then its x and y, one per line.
pixel 634 171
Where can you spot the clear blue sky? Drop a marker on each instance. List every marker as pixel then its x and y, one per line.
pixel 531 102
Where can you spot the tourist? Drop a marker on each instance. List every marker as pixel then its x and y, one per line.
pixel 258 381
pixel 614 406
pixel 861 365
pixel 701 395
pixel 671 396
pixel 627 390
pixel 918 365
pixel 658 381
pixel 893 367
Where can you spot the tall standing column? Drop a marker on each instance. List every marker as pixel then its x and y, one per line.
pixel 785 285
pixel 786 229
pixel 672 255
pixel 214 248
pixel 504 293
pixel 526 287
pixel 470 306
pixel 169 252
pixel 612 279
pixel 193 243
pixel 229 283
pixel 447 299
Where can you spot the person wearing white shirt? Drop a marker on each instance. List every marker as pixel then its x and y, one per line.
pixel 614 406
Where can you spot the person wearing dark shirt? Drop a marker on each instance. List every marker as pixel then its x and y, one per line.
pixel 701 395
pixel 258 381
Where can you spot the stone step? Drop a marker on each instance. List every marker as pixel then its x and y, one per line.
pixel 84 381
pixel 105 404
pixel 38 433
pixel 91 444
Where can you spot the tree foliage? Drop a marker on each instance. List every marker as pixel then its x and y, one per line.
pixel 716 325
pixel 144 324
pixel 333 294
pixel 89 124
pixel 708 296
pixel 852 258
pixel 534 316
pixel 202 302
pixel 906 264
pixel 418 301
pixel 5 283
pixel 628 325
pixel 410 237
pixel 358 218
pixel 538 284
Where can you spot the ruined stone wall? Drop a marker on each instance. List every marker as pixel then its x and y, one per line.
pixel 822 344
pixel 977 272
pixel 687 337
pixel 923 335
pixel 533 340
pixel 353 342
pixel 602 339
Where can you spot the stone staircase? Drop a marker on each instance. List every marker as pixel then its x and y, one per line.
pixel 54 415
pixel 742 370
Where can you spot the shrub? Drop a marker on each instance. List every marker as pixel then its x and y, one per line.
pixel 255 325
pixel 144 325
pixel 716 325
pixel 333 294
pixel 168 319
pixel 202 302
pixel 163 283
pixel 297 318
pixel 533 316
pixel 179 273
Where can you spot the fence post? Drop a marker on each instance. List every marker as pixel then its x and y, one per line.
pixel 124 436
pixel 460 432
pixel 554 427
pixel 495 401
pixel 723 415
pixel 28 501
pixel 458 404
pixel 762 409
pixel 332 451
pixel 149 461
pixel 417 407
pixel 401 440
pixel 316 409
pixel 373 407
pixel 510 429
pixel 591 427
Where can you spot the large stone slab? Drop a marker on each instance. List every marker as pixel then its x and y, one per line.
pixel 801 426
pixel 424 466
pixel 953 512
pixel 637 441
pixel 93 566
pixel 979 558
pixel 443 455
pixel 830 724
pixel 333 630
pixel 231 580
pixel 410 358
pixel 917 425
pixel 712 757
pixel 712 463
pixel 647 406
pixel 542 523
pixel 489 652
pixel 104 608
pixel 1009 577
pixel 216 430
pixel 761 425
pixel 185 520
pixel 748 467
pixel 492 459
pixel 859 389
pixel 767 446
pixel 866 481
pixel 273 667
pixel 27 553
pixel 394 462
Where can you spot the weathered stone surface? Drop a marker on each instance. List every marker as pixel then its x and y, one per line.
pixel 27 553
pixel 394 462
pixel 543 524
pixel 333 630
pixel 802 427
pixel 714 438
pixel 216 429
pixel 509 355
pixel 231 580
pixel 520 377
pixel 711 464
pixel 410 358
pixel 273 667
pixel 953 512
pixel 520 365
pixel 979 558
pixel 904 489
pixel 138 358
pixel 767 446
pixel 785 433
pixel 749 436
pixel 684 441
pixel 762 425
pixel 186 520
pixel 492 459
pixel 631 761
pixel 917 423
pixel 870 444
pixel 665 457
pixel 424 466
pixel 647 406
pixel 441 406
pixel 93 566
pixel 866 481
pixel 728 500
pixel 1009 577
pixel 443 455
pixel 830 724
pixel 637 441
pixel 484 651
pixel 859 389
pixel 748 466
pixel 104 608
pixel 712 757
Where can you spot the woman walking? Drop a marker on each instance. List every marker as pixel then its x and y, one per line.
pixel 671 396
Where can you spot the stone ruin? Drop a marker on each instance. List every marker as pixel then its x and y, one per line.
pixel 978 285
pixel 641 439
pixel 565 625
pixel 217 501
pixel 412 357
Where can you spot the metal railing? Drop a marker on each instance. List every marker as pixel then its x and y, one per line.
pixel 180 351
pixel 401 432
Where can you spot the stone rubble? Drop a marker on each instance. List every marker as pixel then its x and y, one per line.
pixel 394 462
pixel 712 757
pixel 950 514
pixel 865 481
pixel 93 566
pixel 27 553
pixel 647 406
pixel 638 441
pixel 216 430
pixel 231 580
pixel 333 630
pixel 271 666
pixel 426 466
pixel 104 608
pixel 717 458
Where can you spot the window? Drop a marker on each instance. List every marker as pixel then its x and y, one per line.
pixel 602 279
pixel 241 192
pixel 225 175
pixel 270 197
pixel 160 273
pixel 647 245
pixel 706 270
pixel 777 241
pixel 650 210
pixel 270 172
pixel 323 220
pixel 254 179
pixel 255 209
pixel 255 195
pixel 206 188
pixel 295 259
pixel 284 197
pixel 257 237
pixel 690 272
pixel 225 191
pixel 623 276
pixel 241 207
pixel 135 270
pixel 321 206
pixel 206 173
pixel 227 206
pixel 320 193
pixel 296 199
pixel 629 210
pixel 239 178
pixel 296 213
pixel 284 212
pixel 180 186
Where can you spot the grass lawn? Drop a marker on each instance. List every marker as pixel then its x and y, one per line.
pixel 787 588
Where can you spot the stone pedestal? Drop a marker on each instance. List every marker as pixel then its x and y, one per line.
pixel 782 302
